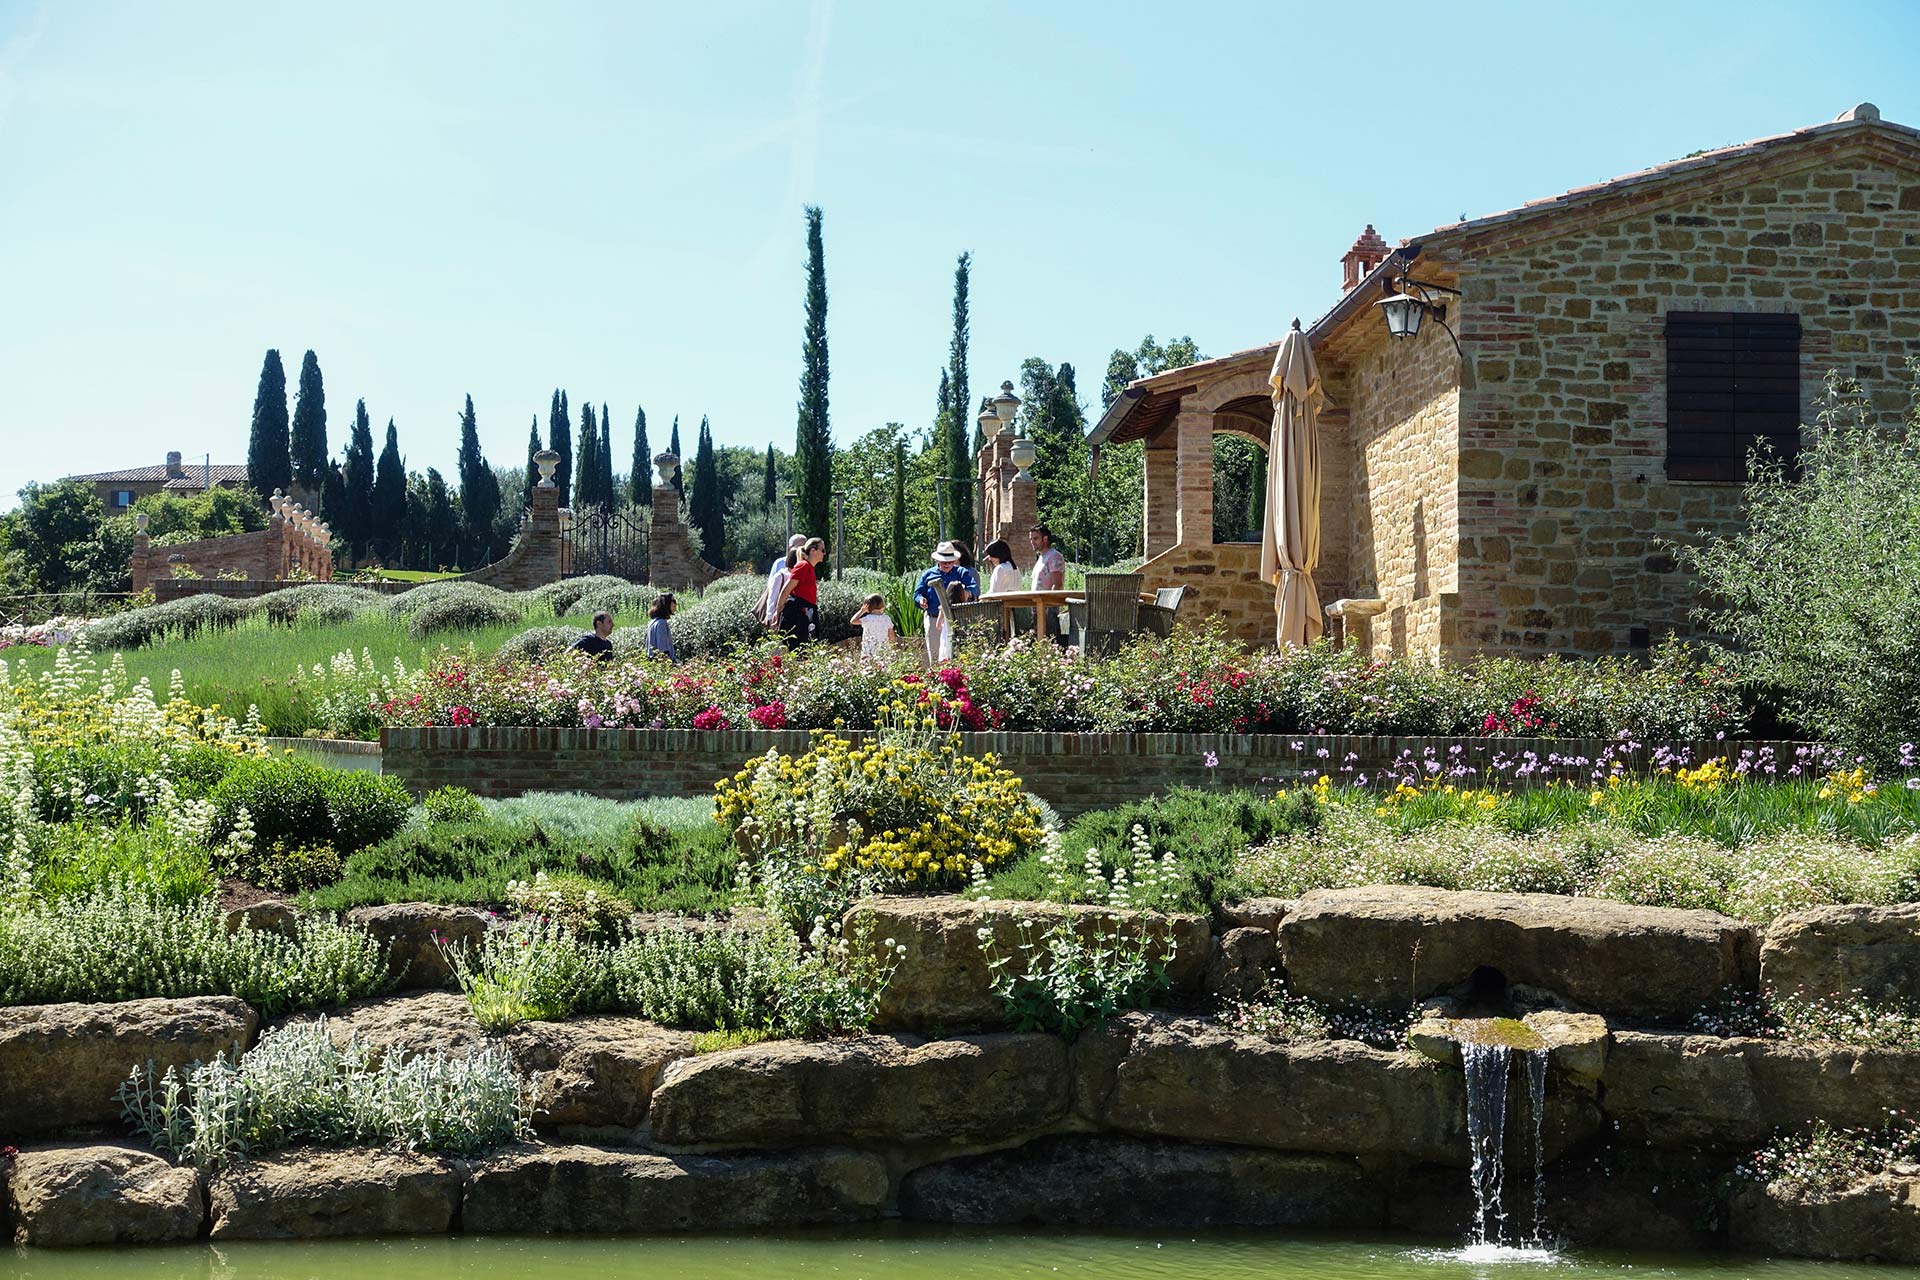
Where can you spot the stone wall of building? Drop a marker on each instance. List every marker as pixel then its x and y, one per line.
pixel 1396 495
pixel 1566 508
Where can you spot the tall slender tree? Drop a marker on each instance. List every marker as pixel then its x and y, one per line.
pixel 479 489
pixel 269 451
pixel 560 440
pixel 310 463
pixel 356 478
pixel 533 468
pixel 673 447
pixel 706 509
pixel 769 484
pixel 957 453
pixel 813 438
pixel 586 469
pixel 899 558
pixel 389 498
pixel 443 520
pixel 640 479
pixel 605 453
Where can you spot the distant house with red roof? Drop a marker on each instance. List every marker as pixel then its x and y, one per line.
pixel 1593 371
pixel 119 489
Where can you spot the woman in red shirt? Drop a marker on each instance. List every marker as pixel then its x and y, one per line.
pixel 799 610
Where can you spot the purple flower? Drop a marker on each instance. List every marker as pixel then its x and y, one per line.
pixel 1213 761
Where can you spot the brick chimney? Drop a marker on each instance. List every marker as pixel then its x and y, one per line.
pixel 1368 252
pixel 174 470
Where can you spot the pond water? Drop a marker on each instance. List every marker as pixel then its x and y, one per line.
pixel 897 1253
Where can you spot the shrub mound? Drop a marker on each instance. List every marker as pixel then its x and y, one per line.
pixel 295 803
pixel 461 613
pixel 186 616
pixel 408 603
pixel 626 600
pixel 537 645
pixel 316 603
pixel 561 596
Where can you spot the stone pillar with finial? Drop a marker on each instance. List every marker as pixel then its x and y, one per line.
pixel 142 552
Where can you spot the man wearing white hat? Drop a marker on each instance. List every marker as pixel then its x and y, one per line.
pixel 934 594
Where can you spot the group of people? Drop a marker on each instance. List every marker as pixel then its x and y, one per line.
pixel 598 643
pixel 954 579
pixel 791 602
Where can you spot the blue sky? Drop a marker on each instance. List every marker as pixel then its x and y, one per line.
pixel 444 199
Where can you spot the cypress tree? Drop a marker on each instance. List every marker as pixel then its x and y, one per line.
pixel 413 524
pixel 673 447
pixel 479 488
pixel 389 506
pixel 640 479
pixel 706 510
pixel 269 451
pixel 586 471
pixel 607 492
pixel 957 455
pixel 333 501
pixel 770 486
pixel 560 440
pixel 356 479
pixel 443 522
pixel 533 468
pixel 310 463
pixel 899 508
pixel 813 437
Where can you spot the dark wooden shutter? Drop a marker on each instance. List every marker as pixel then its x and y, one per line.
pixel 1733 379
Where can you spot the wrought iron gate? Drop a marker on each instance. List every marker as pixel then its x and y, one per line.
pixel 603 540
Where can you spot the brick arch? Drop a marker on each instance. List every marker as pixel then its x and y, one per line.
pixel 1239 387
pixel 1250 418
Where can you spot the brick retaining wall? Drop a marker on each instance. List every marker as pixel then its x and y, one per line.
pixel 1074 772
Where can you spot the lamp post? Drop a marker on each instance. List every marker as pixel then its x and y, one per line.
pixel 839 531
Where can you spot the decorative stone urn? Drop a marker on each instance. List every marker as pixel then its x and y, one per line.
pixel 548 462
pixel 1023 455
pixel 669 465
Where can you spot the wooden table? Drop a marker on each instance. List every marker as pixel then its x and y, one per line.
pixel 1040 602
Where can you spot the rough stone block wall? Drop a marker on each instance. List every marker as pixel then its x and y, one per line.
pixel 1073 772
pixel 1565 502
pixel 1401 514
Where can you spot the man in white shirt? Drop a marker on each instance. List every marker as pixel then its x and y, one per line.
pixel 776 579
pixel 1049 571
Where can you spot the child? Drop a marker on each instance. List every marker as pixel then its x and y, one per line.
pixel 659 634
pixel 876 628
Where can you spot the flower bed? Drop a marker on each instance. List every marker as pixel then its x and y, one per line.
pixel 1194 682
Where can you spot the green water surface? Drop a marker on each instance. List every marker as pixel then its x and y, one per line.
pixel 899 1253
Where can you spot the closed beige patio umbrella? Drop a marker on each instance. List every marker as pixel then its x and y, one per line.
pixel 1290 540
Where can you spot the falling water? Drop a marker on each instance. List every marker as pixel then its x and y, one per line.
pixel 1486 1071
pixel 1486 1067
pixel 1537 1104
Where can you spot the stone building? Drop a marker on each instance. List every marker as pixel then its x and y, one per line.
pixel 1593 371
pixel 120 489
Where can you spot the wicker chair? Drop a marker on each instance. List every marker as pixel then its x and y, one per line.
pixel 977 618
pixel 1108 613
pixel 1160 616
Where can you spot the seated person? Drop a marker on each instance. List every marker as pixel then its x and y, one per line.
pixel 596 641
